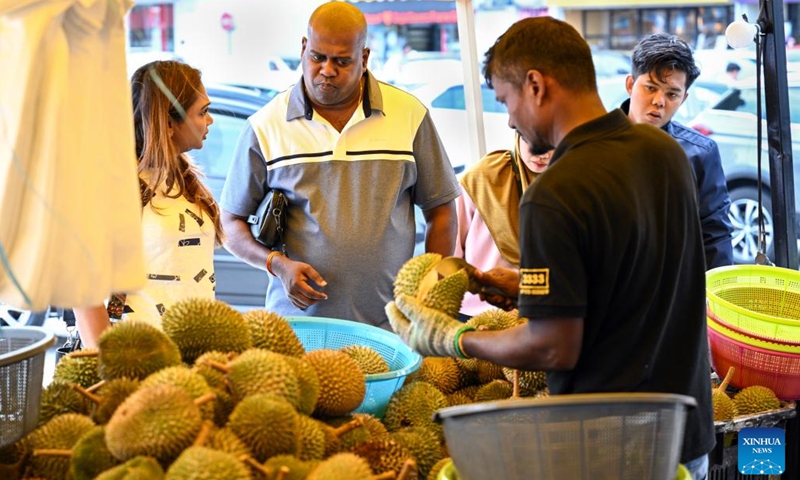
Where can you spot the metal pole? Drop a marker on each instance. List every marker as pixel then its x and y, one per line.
pixel 476 137
pixel 779 140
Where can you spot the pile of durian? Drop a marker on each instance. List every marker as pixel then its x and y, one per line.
pixel 217 394
pixel 748 401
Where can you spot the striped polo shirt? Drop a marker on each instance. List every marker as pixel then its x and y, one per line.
pixel 351 193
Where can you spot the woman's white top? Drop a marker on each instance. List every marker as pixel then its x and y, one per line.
pixel 179 257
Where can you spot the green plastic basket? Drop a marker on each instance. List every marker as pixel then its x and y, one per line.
pixel 756 299
pixel 318 332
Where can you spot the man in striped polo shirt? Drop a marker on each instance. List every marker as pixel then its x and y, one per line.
pixel 353 155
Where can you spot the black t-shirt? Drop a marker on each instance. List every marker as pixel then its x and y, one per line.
pixel 610 233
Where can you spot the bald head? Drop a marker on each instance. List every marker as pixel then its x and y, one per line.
pixel 341 17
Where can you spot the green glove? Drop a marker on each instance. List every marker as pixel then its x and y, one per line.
pixel 428 331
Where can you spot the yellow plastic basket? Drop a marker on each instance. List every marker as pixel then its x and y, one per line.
pixel 756 299
pixel 753 342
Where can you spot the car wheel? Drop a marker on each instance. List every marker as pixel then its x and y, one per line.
pixel 14 317
pixel 744 218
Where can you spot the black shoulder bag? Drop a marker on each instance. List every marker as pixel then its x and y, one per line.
pixel 268 224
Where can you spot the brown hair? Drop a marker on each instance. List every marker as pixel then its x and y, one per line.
pixel 162 92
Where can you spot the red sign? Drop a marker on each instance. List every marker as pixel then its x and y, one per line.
pixel 226 21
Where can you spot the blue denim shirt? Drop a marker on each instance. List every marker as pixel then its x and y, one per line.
pixel 713 197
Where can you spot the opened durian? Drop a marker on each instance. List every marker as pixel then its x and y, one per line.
pixel 419 278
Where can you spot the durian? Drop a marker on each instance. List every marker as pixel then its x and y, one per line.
pixel 342 385
pixel 341 466
pixel 755 399
pixel 441 372
pixel 78 367
pixel 135 349
pixel 273 332
pixel 137 468
pixel 261 371
pixel 183 377
pixel 724 407
pixel 494 390
pixel 90 456
pixel 201 463
pixel 200 325
pixel 370 361
pixel 267 424
pixel 60 433
pixel 158 421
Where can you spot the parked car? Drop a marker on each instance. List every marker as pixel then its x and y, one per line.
pixel 447 104
pixel 610 63
pixel 731 122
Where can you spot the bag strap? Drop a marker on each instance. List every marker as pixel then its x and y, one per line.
pixel 116 302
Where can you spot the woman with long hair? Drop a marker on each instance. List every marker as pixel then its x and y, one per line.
pixel 180 218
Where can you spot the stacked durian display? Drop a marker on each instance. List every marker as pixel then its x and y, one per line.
pixel 748 401
pixel 217 394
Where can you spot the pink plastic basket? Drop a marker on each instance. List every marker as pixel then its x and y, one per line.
pixel 755 366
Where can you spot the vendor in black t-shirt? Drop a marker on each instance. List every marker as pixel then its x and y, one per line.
pixel 612 268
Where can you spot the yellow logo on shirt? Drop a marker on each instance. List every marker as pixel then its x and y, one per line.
pixel 534 281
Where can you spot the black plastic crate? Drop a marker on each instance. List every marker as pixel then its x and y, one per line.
pixel 727 468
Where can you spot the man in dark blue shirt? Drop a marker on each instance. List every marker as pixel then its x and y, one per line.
pixel 662 71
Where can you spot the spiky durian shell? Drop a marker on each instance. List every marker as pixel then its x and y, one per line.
pixel 158 421
pixel 135 349
pixel 530 382
pixel 261 371
pixel 383 455
pixel 62 432
pixel 224 440
pixel 494 390
pixel 59 398
pixel 496 319
pixel 724 407
pixel 297 469
pixel 90 456
pixel 307 384
pixel 273 332
pixel 414 272
pixel 370 361
pixel 137 468
pixel 441 372
pixel 214 377
pixel 422 444
pixel 447 294
pixel 183 377
pixel 340 466
pixel 202 463
pixel 78 369
pixel 252 414
pixel 755 399
pixel 414 405
pixel 200 325
pixel 342 383
pixel 112 394
pixel 312 439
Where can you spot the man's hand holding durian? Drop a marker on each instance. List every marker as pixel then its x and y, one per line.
pixel 428 331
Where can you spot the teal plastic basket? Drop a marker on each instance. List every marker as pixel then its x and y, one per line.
pixel 318 332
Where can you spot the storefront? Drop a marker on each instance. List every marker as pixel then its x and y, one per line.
pixel 618 25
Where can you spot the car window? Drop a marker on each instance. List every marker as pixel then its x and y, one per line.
pixel 453 98
pixel 745 101
pixel 217 152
